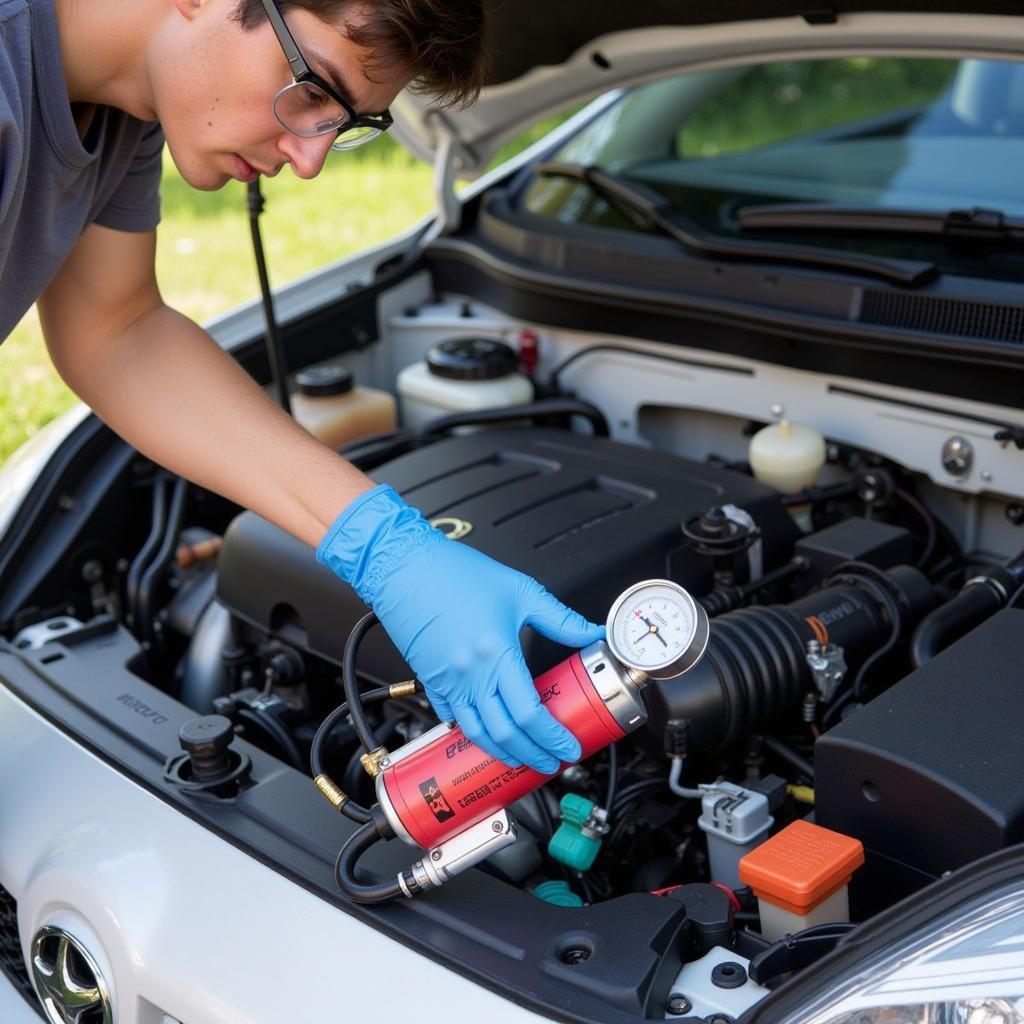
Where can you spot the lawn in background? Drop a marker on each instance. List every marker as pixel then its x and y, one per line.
pixel 204 255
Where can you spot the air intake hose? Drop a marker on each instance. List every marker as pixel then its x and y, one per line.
pixel 755 670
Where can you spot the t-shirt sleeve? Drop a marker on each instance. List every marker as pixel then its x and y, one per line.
pixel 135 204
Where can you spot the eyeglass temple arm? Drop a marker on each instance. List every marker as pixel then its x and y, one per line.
pixel 286 39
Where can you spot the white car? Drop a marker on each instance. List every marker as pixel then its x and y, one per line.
pixel 749 321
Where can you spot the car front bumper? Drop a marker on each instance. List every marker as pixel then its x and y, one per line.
pixel 180 922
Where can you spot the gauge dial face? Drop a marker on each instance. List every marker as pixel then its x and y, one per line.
pixel 656 628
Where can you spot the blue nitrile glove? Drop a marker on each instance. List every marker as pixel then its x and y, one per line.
pixel 455 615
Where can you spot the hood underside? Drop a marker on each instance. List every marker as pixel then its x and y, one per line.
pixel 546 57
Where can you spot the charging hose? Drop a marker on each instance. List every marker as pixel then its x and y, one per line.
pixel 363 892
pixel 344 803
pixel 364 730
pixel 353 706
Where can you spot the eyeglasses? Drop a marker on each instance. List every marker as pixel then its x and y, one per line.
pixel 310 106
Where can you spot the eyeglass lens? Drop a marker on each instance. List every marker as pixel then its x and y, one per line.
pixel 305 109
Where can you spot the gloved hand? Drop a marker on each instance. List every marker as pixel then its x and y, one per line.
pixel 455 615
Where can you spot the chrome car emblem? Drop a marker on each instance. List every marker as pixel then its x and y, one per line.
pixel 68 982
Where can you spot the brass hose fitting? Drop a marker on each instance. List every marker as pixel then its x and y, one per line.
pixel 406 689
pixel 329 788
pixel 371 761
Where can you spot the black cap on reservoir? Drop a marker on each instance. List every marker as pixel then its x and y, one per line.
pixel 322 381
pixel 472 359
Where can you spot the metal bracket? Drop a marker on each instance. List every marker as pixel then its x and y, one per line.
pixel 463 851
pixel 828 668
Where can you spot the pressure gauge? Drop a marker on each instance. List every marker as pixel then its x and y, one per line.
pixel 656 629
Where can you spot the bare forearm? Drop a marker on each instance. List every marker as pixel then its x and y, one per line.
pixel 166 387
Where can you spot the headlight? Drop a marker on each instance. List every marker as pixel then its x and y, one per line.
pixel 968 968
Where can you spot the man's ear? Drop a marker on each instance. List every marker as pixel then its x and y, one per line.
pixel 188 8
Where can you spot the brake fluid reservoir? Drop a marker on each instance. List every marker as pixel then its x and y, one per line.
pixel 787 456
pixel 462 375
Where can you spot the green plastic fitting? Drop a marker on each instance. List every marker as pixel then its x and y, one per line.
pixel 578 839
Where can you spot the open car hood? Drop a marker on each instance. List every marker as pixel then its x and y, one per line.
pixel 549 56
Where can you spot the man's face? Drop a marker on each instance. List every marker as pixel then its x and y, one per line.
pixel 214 85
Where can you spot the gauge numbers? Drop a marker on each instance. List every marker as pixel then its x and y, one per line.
pixel 656 628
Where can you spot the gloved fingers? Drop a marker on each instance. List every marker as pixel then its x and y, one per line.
pixel 474 731
pixel 523 702
pixel 502 728
pixel 546 614
pixel 441 707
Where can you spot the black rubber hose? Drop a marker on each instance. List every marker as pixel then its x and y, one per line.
pixel 613 777
pixel 275 351
pixel 275 730
pixel 976 602
pixel 145 555
pixel 543 407
pixel 369 452
pixel 779 749
pixel 755 670
pixel 364 731
pixel 155 570
pixel 328 724
pixel 344 869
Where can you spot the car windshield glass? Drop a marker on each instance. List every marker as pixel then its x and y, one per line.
pixel 865 132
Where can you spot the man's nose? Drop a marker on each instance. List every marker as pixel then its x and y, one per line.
pixel 306 155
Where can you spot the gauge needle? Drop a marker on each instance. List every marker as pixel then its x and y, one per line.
pixel 652 628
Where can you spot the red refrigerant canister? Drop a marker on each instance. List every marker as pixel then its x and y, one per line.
pixel 442 784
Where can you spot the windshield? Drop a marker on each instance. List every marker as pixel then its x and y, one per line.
pixel 903 133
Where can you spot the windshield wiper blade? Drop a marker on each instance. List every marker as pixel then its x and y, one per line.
pixel 976 222
pixel 652 210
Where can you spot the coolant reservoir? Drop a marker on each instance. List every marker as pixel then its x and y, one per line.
pixel 462 375
pixel 331 407
pixel 787 456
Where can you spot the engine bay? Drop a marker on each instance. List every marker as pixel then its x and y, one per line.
pixel 859 675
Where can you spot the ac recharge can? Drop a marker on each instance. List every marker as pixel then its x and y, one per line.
pixel 441 784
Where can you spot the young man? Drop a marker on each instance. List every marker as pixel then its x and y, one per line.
pixel 239 88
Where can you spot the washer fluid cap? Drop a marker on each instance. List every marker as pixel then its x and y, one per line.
pixel 472 359
pixel 322 381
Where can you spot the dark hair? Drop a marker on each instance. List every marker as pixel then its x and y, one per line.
pixel 439 42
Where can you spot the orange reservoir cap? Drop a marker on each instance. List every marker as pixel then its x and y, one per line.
pixel 801 866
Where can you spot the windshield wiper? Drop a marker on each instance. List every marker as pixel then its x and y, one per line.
pixel 977 222
pixel 651 210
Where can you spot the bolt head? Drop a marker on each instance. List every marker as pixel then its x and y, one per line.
pixel 677 1004
pixel 497 826
pixel 777 410
pixel 957 456
pixel 435 854
pixel 92 571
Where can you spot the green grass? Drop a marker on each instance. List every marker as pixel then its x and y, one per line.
pixel 205 264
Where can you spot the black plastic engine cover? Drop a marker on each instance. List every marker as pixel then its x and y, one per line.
pixel 586 516
pixel 930 775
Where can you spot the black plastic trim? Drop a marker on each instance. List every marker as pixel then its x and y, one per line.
pixel 987 372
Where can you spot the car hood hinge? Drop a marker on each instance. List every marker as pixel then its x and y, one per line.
pixel 450 157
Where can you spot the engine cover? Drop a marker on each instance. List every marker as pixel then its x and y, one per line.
pixel 584 515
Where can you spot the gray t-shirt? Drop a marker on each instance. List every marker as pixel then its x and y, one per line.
pixel 52 183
